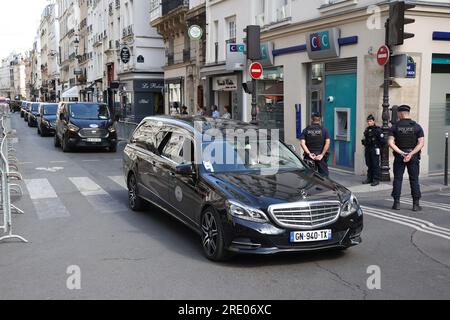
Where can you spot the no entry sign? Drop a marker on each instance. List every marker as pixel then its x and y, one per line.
pixel 383 55
pixel 256 70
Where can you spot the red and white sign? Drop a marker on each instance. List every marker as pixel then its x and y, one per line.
pixel 256 70
pixel 383 55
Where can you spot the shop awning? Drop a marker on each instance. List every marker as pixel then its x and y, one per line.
pixel 71 93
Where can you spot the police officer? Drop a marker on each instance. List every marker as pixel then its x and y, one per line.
pixel 315 142
pixel 406 138
pixel 373 140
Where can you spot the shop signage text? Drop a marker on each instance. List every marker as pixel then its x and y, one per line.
pixel 323 44
pixel 225 83
pixel 125 55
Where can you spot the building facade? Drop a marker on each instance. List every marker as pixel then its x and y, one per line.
pixel 338 76
pixel 185 55
pixel 141 58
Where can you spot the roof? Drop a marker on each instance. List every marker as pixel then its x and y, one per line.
pixel 192 123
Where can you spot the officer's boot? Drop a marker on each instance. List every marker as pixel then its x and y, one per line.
pixel 396 205
pixel 416 205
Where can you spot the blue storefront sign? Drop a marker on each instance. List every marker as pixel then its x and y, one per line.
pixel 411 70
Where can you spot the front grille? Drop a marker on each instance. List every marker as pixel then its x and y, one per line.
pixel 305 215
pixel 93 133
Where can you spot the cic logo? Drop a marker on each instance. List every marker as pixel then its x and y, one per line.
pixel 320 41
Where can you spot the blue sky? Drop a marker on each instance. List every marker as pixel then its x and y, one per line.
pixel 18 24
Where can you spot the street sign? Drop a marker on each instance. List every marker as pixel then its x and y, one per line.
pixel 383 55
pixel 125 55
pixel 403 66
pixel 256 70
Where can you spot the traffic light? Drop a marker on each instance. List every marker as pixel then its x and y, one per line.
pixel 253 43
pixel 397 22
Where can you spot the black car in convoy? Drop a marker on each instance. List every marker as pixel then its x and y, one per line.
pixel 23 108
pixel 85 125
pixel 46 120
pixel 241 205
pixel 27 111
pixel 32 114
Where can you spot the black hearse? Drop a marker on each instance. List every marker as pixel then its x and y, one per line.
pixel 46 120
pixel 249 202
pixel 85 125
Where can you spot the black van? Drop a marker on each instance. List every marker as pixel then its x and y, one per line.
pixel 85 124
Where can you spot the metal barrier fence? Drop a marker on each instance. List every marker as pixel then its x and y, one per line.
pixel 9 171
pixel 125 130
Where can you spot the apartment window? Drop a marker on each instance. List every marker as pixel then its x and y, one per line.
pixel 231 23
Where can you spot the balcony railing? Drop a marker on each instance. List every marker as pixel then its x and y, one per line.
pixel 128 31
pixel 170 5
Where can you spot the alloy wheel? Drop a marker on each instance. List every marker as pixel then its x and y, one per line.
pixel 132 191
pixel 210 233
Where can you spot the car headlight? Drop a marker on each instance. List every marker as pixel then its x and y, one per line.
pixel 73 128
pixel 242 211
pixel 112 129
pixel 350 207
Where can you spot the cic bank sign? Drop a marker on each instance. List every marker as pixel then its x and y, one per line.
pixel 323 44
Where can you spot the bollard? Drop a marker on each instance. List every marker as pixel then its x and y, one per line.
pixel 446 160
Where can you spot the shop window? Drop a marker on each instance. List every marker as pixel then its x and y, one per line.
pixel 317 73
pixel 342 124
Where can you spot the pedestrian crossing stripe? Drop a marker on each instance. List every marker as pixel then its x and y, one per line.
pixel 48 204
pixel 88 187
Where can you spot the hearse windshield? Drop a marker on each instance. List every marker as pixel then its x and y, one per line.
pixel 223 155
pixel 89 111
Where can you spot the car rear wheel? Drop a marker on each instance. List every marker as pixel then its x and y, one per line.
pixel 212 237
pixel 135 202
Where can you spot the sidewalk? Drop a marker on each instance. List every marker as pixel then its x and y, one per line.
pixel 354 183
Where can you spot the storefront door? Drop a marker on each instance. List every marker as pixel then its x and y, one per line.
pixel 340 118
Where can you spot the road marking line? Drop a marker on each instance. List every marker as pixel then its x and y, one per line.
pixel 434 205
pixel 50 209
pixel 422 224
pixel 40 189
pixel 58 161
pixel 407 224
pixel 87 187
pixel 120 180
pixel 414 220
pixel 90 160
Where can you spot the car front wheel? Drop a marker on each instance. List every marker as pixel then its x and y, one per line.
pixel 212 237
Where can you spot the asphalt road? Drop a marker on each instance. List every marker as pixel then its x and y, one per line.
pixel 76 214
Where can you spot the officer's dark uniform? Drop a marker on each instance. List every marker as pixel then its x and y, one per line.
pixel 406 133
pixel 373 141
pixel 315 137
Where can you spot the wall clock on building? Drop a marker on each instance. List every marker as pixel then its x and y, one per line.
pixel 195 32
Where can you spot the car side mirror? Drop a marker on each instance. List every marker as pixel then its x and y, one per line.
pixel 185 169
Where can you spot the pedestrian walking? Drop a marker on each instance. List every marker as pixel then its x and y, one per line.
pixel 315 142
pixel 373 141
pixel 407 139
